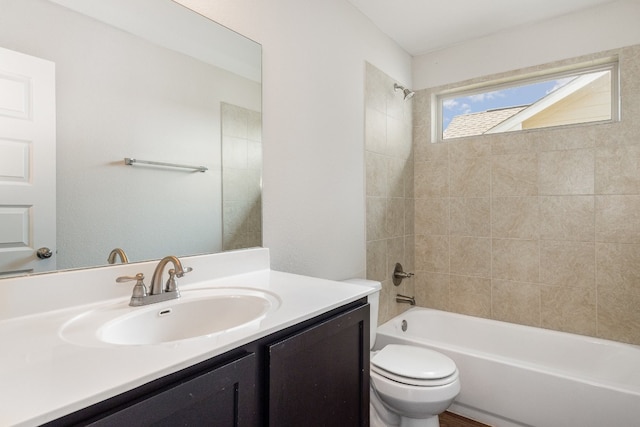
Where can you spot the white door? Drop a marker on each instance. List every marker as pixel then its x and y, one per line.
pixel 27 163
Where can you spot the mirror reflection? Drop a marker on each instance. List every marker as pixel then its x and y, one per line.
pixel 86 84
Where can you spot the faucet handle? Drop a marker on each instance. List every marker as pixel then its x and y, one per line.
pixel 172 285
pixel 184 271
pixel 399 274
pixel 139 289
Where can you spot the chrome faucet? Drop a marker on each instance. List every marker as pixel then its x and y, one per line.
pixel 157 293
pixel 117 252
pixel 176 271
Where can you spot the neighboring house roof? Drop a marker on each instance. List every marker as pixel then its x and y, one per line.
pixel 570 88
pixel 479 123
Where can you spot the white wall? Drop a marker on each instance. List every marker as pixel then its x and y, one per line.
pixel 314 55
pixel 605 27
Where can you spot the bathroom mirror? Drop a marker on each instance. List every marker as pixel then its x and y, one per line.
pixel 149 80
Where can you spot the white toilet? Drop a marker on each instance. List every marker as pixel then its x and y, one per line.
pixel 410 385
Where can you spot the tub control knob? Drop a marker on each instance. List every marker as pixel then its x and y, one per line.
pixel 399 274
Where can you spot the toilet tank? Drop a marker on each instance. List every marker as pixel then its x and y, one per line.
pixel 374 305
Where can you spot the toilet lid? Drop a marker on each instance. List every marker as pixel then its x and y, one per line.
pixel 413 362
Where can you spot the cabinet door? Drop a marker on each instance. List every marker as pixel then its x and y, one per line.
pixel 320 376
pixel 221 397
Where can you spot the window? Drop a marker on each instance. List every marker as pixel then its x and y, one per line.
pixel 582 95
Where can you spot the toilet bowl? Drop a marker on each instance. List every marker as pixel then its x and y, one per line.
pixel 410 385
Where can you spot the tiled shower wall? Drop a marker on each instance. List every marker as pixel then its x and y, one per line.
pixel 241 172
pixel 539 227
pixel 389 187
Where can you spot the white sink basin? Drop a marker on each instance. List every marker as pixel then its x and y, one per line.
pixel 197 313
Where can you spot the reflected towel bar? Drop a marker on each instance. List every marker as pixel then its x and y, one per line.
pixel 129 161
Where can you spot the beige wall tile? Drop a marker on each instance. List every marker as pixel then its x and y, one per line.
pixel 409 253
pixel 376 174
pixel 421 107
pixel 514 175
pixel 425 151
pixel 389 308
pixel 470 295
pixel 617 219
pixel 377 260
pixel 395 217
pixel 517 260
pixel 618 315
pixel 480 195
pixel 512 143
pixel 617 134
pixel 630 109
pixel 566 138
pixel 515 302
pixel 409 216
pixel 630 69
pixel 567 218
pixel 398 138
pixel 432 253
pixel 566 172
pixel 469 147
pixel 432 290
pixel 394 102
pixel 390 187
pixel 421 139
pixel 569 309
pixel 431 179
pixel 470 177
pixel 432 216
pixel 567 263
pixel 395 254
pixel 470 256
pixel 376 218
pixel 470 216
pixel 375 131
pixel 409 184
pixel 395 176
pixel 618 266
pixel 618 170
pixel 515 217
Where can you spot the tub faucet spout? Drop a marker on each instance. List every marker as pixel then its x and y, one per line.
pixel 405 299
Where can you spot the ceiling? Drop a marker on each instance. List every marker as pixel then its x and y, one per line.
pixel 422 26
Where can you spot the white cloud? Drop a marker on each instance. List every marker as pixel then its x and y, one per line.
pixel 466 108
pixel 449 104
pixel 487 95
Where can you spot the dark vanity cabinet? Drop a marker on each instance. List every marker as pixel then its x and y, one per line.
pixel 319 376
pixel 224 396
pixel 315 373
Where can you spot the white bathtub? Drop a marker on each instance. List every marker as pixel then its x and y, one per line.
pixel 515 375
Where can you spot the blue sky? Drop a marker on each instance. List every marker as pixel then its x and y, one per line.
pixel 509 97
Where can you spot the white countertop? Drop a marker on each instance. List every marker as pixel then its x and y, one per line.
pixel 44 377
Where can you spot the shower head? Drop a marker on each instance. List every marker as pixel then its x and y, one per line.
pixel 408 93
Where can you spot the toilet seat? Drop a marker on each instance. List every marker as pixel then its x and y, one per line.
pixel 413 365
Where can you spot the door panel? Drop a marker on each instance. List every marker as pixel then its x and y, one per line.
pixel 27 162
pixel 319 377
